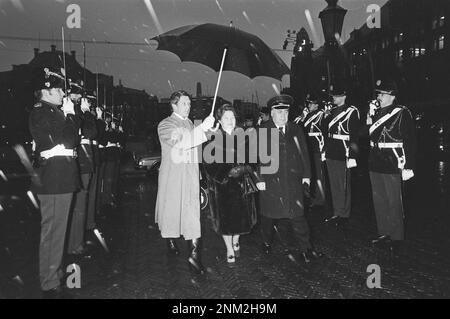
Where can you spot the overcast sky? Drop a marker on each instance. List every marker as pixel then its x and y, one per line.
pixel 144 68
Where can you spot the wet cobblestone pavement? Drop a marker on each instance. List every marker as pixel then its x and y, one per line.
pixel 138 266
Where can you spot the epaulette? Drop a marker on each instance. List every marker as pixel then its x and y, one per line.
pixel 355 109
pixel 38 104
pixel 404 108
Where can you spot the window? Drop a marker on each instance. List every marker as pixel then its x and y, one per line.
pixel 398 37
pixel 399 55
pixel 438 22
pixel 434 24
pixel 439 43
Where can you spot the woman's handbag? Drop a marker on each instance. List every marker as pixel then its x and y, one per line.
pixel 249 185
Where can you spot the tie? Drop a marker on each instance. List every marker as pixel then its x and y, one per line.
pixel 281 131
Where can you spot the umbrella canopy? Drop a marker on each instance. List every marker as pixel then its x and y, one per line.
pixel 205 43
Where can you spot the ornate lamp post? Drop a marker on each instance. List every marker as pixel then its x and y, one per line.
pixel 332 18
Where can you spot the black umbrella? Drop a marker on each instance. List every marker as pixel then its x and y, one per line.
pixel 223 48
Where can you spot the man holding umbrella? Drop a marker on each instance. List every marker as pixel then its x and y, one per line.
pixel 177 210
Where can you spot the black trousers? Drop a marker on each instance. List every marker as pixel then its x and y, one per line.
pixel 340 184
pixel 318 182
pixel 292 238
pixel 387 201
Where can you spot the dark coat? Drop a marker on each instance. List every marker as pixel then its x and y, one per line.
pixel 85 151
pixel 111 154
pixel 334 148
pixel 99 152
pixel 314 126
pixel 232 207
pixel 399 128
pixel 49 127
pixel 283 197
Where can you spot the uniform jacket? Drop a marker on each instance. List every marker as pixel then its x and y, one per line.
pixel 85 151
pixel 178 201
pixel 49 127
pixel 349 126
pixel 314 125
pixel 99 152
pixel 400 128
pixel 111 136
pixel 283 197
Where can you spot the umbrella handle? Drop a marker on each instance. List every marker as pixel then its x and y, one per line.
pixel 215 128
pixel 218 81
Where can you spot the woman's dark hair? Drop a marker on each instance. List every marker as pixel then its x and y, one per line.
pixel 175 97
pixel 225 107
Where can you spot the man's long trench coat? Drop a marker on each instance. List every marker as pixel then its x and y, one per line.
pixel 177 210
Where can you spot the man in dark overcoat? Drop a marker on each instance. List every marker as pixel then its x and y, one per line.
pixel 282 179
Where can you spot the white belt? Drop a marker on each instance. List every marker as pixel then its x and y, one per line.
pixel 94 142
pixel 315 134
pixel 340 137
pixel 58 152
pixel 111 144
pixel 85 141
pixel 386 145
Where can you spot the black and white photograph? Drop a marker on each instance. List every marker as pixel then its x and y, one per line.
pixel 225 157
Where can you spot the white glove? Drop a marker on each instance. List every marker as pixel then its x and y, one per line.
pixel 306 181
pixel 120 129
pixel 68 107
pixel 113 125
pixel 259 121
pixel 374 104
pixel 261 186
pixel 305 112
pixel 208 123
pixel 99 113
pixel 85 105
pixel 407 174
pixel 351 162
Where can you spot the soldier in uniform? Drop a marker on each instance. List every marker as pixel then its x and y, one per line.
pixel 111 141
pixel 313 126
pixel 342 124
pixel 391 161
pixel 281 192
pixel 55 133
pixel 85 161
pixel 96 113
pixel 102 124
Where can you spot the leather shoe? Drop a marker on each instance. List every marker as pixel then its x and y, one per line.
pixel 172 247
pixel 394 248
pixel 334 219
pixel 314 254
pixel 304 256
pixel 381 240
pixel 56 293
pixel 266 248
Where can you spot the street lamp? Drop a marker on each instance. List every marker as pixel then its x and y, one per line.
pixel 332 18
